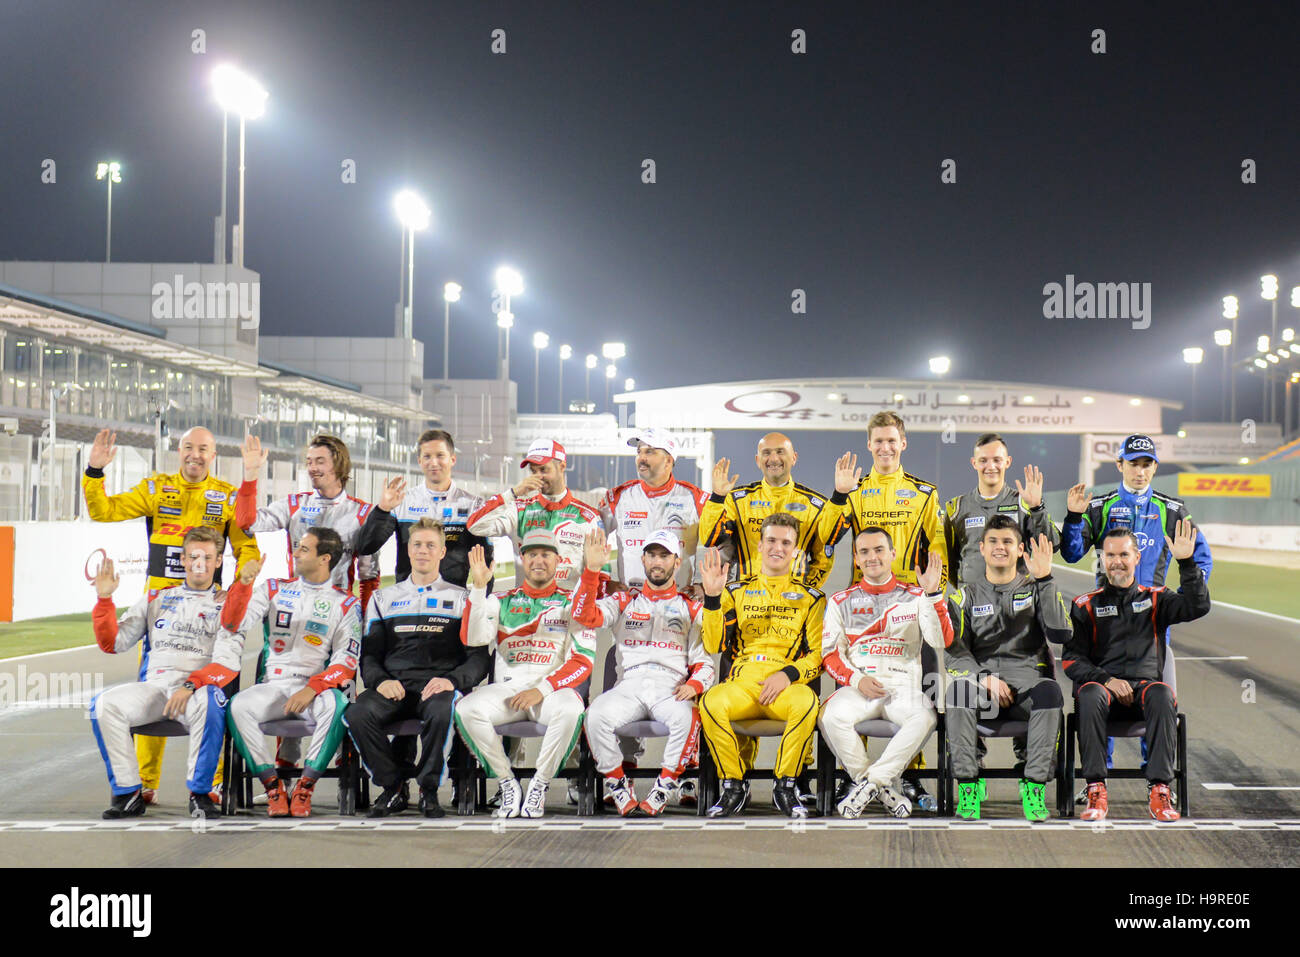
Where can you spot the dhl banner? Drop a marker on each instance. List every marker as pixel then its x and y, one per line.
pixel 1254 485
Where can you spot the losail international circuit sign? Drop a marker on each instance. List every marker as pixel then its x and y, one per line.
pixel 924 407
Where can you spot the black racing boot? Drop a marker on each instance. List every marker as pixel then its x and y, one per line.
pixel 201 805
pixel 391 800
pixel 785 795
pixel 125 805
pixel 429 805
pixel 731 798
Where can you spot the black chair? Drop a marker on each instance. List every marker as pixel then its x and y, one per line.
pixel 472 781
pixel 464 802
pixel 1013 728
pixel 167 728
pixel 829 773
pixel 646 728
pixel 345 769
pixel 1129 729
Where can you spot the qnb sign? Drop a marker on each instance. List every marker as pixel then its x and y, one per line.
pixel 1225 486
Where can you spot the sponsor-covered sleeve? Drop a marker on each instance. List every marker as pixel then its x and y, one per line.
pixel 592 612
pixel 808 665
pixel 954 537
pixel 241 614
pixel 959 660
pixel 344 645
pixel 821 544
pixel 936 626
pixel 1079 531
pixel 718 520
pixel 1077 660
pixel 243 544
pixel 250 518
pixel 374 646
pixel 478 623
pixel 718 622
pixel 474 621
pixel 1037 521
pixel 835 647
pixel 498 516
pixel 701 673
pixel 1191 601
pixel 577 665
pixel 1053 611
pixel 115 636
pixel 102 507
pixel 933 529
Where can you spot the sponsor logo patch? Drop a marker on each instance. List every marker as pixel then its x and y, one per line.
pixel 1142 605
pixel 282 618
pixel 1020 604
pixel 796 507
pixel 1106 611
pixel 210 496
pixel 976 522
pixel 980 611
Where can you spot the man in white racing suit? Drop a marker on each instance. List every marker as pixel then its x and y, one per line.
pixel 662 665
pixel 181 630
pixel 871 646
pixel 539 666
pixel 313 636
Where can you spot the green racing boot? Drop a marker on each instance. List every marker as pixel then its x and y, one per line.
pixel 968 800
pixel 984 791
pixel 1031 798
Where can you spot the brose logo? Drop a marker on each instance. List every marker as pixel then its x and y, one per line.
pixel 75 910
pixel 1224 485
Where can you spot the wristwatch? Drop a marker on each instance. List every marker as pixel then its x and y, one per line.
pixel 189 685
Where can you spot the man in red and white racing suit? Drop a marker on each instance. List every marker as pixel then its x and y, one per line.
pixel 662 665
pixel 871 646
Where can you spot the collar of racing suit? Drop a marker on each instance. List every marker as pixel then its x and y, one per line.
pixel 878 589
pixel 327 583
pixel 433 491
pixel 1111 590
pixel 659 594
pixel 552 505
pixel 532 592
pixel 654 492
pixel 1138 495
pixel 875 478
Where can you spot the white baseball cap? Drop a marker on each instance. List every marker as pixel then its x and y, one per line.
pixel 656 439
pixel 664 538
pixel 542 451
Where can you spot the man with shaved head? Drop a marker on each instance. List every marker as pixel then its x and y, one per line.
pixel 171 505
pixel 734 514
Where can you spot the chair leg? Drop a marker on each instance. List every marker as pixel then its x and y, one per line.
pixel 825 777
pixel 347 792
pixel 1065 800
pixel 942 770
pixel 1184 792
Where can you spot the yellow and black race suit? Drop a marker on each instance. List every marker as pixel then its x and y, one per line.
pixel 732 522
pixel 768 625
pixel 903 505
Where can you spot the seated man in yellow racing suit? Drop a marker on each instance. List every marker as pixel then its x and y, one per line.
pixel 771 624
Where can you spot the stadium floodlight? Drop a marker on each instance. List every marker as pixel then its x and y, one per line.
pixel 450 293
pixel 1261 344
pixel 1295 296
pixel 566 352
pixel 1288 335
pixel 1271 357
pixel 412 212
pixel 540 341
pixel 1268 286
pixel 611 370
pixel 236 92
pixel 1193 355
pixel 1230 307
pixel 1260 363
pixel 1223 337
pixel 505 320
pixel 940 365
pixel 613 350
pixel 592 362
pixel 1284 352
pixel 629 384
pixel 509 281
pixel 113 173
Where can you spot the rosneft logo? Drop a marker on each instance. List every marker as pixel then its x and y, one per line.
pixel 1226 486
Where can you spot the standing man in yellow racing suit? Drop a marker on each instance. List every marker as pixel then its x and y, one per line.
pixel 908 509
pixel 171 505
pixel 771 624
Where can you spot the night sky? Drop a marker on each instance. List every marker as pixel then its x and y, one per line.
pixel 775 171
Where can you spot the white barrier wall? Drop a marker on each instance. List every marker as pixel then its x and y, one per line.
pixel 55 563
pixel 1277 538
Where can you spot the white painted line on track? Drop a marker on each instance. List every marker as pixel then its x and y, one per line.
pixel 1055 825
pixel 1221 786
pixel 42 654
pixel 1216 604
pixel 1212 657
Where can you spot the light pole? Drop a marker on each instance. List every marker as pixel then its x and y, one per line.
pixel 1268 290
pixel 413 214
pixel 1230 312
pixel 450 294
pixel 1223 337
pixel 113 173
pixel 236 92
pixel 611 370
pixel 509 284
pixel 566 353
pixel 540 341
pixel 1193 356
pixel 592 362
